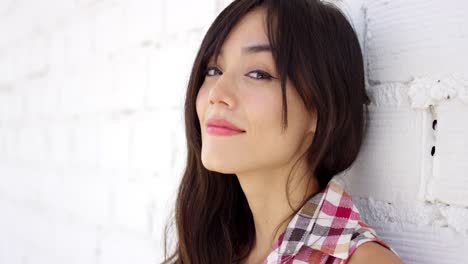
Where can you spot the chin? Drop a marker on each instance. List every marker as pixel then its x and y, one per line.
pixel 220 166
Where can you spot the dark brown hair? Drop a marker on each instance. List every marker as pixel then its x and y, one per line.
pixel 315 46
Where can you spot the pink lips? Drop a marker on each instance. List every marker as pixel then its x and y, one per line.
pixel 222 127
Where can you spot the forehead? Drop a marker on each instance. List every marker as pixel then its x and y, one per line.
pixel 249 31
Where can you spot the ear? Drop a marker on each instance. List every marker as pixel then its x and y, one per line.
pixel 312 122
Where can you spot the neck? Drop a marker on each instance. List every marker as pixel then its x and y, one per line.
pixel 266 194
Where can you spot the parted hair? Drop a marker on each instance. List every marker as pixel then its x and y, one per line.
pixel 315 46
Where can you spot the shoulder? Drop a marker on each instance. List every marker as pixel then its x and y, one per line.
pixel 373 252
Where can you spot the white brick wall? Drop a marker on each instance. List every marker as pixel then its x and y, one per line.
pixel 87 175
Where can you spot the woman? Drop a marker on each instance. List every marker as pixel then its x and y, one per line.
pixel 274 110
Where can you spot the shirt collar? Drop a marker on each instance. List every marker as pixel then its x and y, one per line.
pixel 326 223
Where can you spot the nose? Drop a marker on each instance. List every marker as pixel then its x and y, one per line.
pixel 222 91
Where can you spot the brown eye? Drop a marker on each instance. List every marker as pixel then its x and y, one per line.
pixel 261 75
pixel 210 71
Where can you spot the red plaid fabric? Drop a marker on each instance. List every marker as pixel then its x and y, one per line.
pixel 326 230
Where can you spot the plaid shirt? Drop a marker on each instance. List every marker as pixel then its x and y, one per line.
pixel 326 230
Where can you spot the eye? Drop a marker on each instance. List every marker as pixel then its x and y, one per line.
pixel 211 69
pixel 262 75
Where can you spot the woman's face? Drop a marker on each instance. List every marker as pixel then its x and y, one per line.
pixel 237 89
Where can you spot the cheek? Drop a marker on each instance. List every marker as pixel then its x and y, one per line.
pixel 264 112
pixel 200 103
pixel 268 144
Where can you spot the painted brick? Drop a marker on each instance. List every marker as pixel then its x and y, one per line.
pixel 121 248
pixel 92 139
pixel 87 195
pixel 113 143
pixel 169 71
pixel 404 41
pixel 133 202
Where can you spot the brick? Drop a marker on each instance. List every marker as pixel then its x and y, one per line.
pixel 11 140
pixel 58 240
pixel 38 63
pixel 98 87
pixel 221 5
pixel 57 52
pixel 144 21
pixel 92 139
pixel 169 72
pixel 402 42
pixel 32 143
pixel 72 99
pixel 60 144
pixel 153 141
pixel 23 25
pixel 7 7
pixel 6 62
pixel 79 44
pixel 56 87
pixel 113 143
pixel 164 205
pixel 14 249
pixel 19 62
pixel 88 91
pixel 34 92
pixel 120 248
pixel 3 144
pixel 391 150
pixel 450 156
pixel 62 10
pixel 130 80
pixel 12 105
pixel 133 202
pixel 85 136
pixel 21 184
pixel 110 30
pixel 415 244
pixel 87 195
pixel 199 14
pixel 50 96
pixel 52 189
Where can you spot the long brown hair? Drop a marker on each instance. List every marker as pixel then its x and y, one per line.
pixel 315 46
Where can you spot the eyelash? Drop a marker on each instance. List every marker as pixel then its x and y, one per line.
pixel 266 75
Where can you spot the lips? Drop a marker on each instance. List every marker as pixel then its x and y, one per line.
pixel 223 123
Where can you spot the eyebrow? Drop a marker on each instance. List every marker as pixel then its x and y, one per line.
pixel 253 49
pixel 257 48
